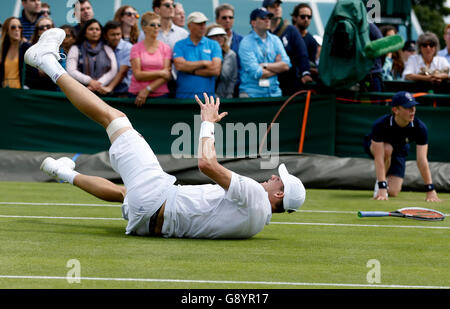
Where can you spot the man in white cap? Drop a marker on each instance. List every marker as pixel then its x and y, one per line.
pixel 197 59
pixel 236 207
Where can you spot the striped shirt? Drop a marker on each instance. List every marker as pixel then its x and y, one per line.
pixel 28 26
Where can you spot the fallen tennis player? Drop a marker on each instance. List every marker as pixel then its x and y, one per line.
pixel 236 207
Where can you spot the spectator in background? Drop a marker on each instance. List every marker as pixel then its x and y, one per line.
pixel 298 75
pixel 70 38
pixel 229 71
pixel 127 16
pixel 179 17
pixel 262 57
pixel 12 52
pixel 446 51
pixel 45 10
pixel 427 66
pixel 388 61
pixel 197 59
pixel 319 41
pixel 150 62
pixel 301 18
pixel 169 32
pixel 225 17
pixel 30 14
pixel 83 12
pixel 90 60
pixel 36 79
pixel 118 87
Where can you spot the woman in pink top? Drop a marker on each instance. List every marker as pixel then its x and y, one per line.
pixel 150 63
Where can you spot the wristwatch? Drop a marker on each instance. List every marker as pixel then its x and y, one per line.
pixel 265 65
pixel 149 88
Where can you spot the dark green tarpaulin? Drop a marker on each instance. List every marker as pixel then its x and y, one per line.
pixel 46 121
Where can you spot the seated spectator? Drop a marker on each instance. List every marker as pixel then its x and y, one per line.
pixel 12 54
pixel 197 59
pixel 90 60
pixel 150 63
pixel 387 61
pixel 36 79
pixel 263 57
pixel 83 12
pixel 118 87
pixel 399 58
pixel 70 38
pixel 128 16
pixel 229 72
pixel 445 52
pixel 427 65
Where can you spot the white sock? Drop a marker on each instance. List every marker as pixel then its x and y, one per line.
pixel 67 174
pixel 52 67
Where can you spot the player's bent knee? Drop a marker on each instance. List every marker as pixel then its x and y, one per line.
pixel 118 125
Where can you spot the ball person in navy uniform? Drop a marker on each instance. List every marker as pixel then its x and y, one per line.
pixel 389 142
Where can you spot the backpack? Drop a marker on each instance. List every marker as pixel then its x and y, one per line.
pixel 343 61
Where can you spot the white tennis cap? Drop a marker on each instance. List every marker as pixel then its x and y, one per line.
pixel 294 191
pixel 197 18
pixel 216 31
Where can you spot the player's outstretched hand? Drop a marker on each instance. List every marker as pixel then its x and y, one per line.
pixel 209 111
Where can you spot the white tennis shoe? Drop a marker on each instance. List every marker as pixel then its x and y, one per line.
pixel 48 43
pixel 54 167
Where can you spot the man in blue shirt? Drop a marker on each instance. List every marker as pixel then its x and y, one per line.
pixel 388 144
pixel 197 59
pixel 299 74
pixel 118 87
pixel 30 14
pixel 445 52
pixel 262 57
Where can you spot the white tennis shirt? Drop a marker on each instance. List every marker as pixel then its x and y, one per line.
pixel 208 211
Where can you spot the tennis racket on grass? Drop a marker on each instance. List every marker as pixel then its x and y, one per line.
pixel 416 213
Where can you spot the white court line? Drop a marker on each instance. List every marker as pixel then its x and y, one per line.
pixel 117 205
pixel 394 286
pixel 283 223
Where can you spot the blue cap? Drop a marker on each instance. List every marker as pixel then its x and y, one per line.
pixel 261 13
pixel 404 99
pixel 268 3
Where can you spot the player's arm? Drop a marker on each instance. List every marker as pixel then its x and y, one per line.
pixel 380 168
pixel 207 158
pixel 422 165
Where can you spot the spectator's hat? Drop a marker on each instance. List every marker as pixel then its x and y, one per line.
pixel 197 18
pixel 261 13
pixel 404 99
pixel 216 31
pixel 409 46
pixel 294 191
pixel 268 3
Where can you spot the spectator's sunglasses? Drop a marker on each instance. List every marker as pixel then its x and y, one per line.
pixel 14 27
pixel 45 27
pixel 46 12
pixel 153 25
pixel 227 17
pixel 169 5
pixel 129 14
pixel 425 45
pixel 305 16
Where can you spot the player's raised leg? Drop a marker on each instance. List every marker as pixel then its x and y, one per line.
pixel 44 55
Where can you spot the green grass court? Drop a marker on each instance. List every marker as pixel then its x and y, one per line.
pixel 44 225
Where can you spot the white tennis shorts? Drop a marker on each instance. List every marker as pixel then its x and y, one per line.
pixel 145 181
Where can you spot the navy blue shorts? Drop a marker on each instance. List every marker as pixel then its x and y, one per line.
pixel 398 162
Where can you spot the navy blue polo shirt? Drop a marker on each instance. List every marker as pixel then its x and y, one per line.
pixel 386 130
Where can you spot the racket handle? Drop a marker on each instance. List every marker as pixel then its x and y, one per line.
pixel 372 214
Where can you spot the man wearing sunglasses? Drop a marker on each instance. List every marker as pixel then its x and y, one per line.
pixel 301 18
pixel 169 33
pixel 30 14
pixel 299 74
